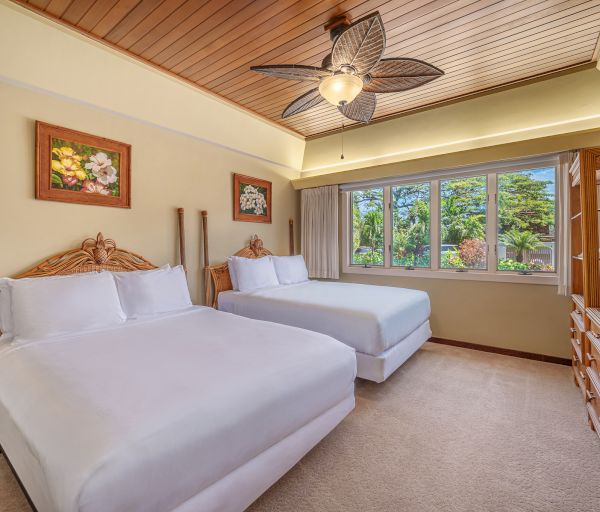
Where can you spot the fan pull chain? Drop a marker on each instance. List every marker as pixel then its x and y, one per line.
pixel 342 155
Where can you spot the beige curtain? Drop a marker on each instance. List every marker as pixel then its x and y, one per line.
pixel 563 267
pixel 319 229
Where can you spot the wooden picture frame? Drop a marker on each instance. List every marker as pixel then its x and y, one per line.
pixel 258 199
pixel 76 167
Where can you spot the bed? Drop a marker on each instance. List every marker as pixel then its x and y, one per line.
pixel 385 325
pixel 184 411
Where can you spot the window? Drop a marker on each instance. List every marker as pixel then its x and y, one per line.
pixel 410 225
pixel 463 223
pixel 367 227
pixel 526 217
pixel 495 222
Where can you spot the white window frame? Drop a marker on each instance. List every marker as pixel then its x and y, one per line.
pixel 434 178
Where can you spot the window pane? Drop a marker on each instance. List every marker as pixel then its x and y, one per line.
pixel 367 227
pixel 463 219
pixel 411 225
pixel 526 220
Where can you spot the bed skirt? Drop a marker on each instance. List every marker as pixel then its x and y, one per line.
pixel 378 368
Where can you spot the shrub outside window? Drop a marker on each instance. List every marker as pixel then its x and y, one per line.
pixel 463 223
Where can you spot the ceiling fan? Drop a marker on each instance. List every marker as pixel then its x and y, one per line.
pixel 354 72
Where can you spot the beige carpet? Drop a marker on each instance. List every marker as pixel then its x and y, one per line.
pixel 452 430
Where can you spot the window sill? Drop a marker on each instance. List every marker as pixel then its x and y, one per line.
pixel 471 275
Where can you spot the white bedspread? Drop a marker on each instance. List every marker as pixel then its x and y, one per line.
pixel 144 416
pixel 369 318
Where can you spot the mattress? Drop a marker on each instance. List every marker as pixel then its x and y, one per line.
pixel 371 319
pixel 145 416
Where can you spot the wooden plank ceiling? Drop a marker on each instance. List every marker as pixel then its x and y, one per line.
pixel 480 44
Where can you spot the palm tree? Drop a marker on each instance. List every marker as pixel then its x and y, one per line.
pixel 372 232
pixel 521 241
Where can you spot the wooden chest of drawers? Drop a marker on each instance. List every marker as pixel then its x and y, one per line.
pixel 592 363
pixel 584 321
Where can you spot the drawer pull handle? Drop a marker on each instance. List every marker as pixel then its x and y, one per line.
pixel 573 330
pixel 595 335
pixel 589 395
pixel 582 375
pixel 590 357
pixel 577 312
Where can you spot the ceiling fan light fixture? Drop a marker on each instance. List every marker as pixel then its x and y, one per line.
pixel 340 89
pixel 354 72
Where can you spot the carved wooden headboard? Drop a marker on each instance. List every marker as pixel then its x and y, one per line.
pixel 216 277
pixel 95 254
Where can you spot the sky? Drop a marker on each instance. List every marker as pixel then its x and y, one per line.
pixel 547 174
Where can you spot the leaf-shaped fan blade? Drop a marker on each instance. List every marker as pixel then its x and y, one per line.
pixel 361 109
pixel 394 75
pixel 361 45
pixel 293 72
pixel 304 102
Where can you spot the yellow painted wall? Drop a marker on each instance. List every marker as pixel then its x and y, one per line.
pixel 560 105
pixel 168 171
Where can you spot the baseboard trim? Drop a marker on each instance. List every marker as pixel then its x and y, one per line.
pixel 503 351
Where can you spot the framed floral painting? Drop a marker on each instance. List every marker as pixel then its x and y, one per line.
pixel 251 199
pixel 76 167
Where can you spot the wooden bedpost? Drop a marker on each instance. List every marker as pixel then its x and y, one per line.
pixel 292 237
pixel 181 238
pixel 204 214
pixel 205 262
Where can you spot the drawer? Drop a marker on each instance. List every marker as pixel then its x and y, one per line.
pixel 594 323
pixel 592 356
pixel 593 399
pixel 577 342
pixel 578 321
pixel 580 375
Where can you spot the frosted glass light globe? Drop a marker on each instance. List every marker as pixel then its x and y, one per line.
pixel 341 88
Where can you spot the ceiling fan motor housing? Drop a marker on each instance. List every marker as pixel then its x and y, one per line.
pixel 337 25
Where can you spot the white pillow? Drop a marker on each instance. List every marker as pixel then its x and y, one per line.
pixel 149 293
pixel 43 307
pixel 6 320
pixel 253 274
pixel 290 269
pixel 232 276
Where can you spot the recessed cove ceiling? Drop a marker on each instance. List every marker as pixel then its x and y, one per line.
pixel 479 44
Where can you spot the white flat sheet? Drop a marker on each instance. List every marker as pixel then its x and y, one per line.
pixel 368 318
pixel 144 416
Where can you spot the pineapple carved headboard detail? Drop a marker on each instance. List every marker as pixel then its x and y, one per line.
pixel 95 254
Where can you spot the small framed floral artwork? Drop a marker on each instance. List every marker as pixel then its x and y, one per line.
pixel 251 199
pixel 76 167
